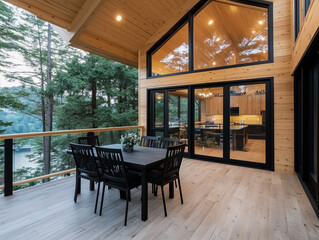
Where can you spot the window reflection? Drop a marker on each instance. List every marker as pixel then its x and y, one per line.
pixel 229 33
pixel 172 57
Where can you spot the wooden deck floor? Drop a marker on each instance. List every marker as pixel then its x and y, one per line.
pixel 220 202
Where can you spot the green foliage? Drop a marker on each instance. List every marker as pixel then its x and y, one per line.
pixel 10 34
pixel 75 77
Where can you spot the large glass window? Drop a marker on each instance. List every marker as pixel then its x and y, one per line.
pixel 172 57
pixel 228 33
pixel 222 33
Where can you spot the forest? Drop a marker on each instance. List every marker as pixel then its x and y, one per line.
pixel 59 88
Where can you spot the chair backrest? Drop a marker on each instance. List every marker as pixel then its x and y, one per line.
pixel 167 142
pixel 89 140
pixel 173 160
pixel 149 141
pixel 84 159
pixel 112 164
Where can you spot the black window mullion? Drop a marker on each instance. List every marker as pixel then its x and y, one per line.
pixel 191 121
pixel 191 42
pixel 226 123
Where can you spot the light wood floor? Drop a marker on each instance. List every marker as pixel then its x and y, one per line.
pixel 220 202
pixel 255 151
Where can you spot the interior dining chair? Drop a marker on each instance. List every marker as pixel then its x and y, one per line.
pixel 86 167
pixel 149 141
pixel 115 174
pixel 169 171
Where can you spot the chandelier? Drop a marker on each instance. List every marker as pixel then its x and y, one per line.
pixel 205 93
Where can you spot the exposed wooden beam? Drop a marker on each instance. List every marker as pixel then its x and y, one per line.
pixel 109 48
pixel 88 8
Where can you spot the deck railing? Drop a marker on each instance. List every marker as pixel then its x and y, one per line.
pixel 8 153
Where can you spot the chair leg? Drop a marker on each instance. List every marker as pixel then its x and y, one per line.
pixel 155 190
pixel 163 197
pixel 175 183
pixel 102 200
pixel 97 196
pixel 76 189
pixel 126 210
pixel 180 189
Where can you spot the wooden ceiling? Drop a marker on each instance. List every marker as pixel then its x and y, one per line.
pixel 91 24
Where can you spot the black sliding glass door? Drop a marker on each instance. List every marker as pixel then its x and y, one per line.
pixel 226 122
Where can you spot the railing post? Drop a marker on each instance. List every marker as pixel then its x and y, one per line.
pixel 8 166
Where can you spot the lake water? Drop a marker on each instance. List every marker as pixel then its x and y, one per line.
pixel 20 160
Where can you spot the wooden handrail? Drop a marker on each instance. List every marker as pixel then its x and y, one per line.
pixel 63 132
pixel 41 177
pixel 8 139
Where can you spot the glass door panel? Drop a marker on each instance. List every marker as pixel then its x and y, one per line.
pixel 178 115
pixel 248 123
pixel 159 110
pixel 208 116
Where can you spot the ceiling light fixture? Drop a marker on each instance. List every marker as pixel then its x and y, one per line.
pixel 217 39
pixel 210 22
pixel 261 22
pixel 214 63
pixel 118 18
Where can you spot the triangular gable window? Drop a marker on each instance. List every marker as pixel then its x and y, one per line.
pixel 214 35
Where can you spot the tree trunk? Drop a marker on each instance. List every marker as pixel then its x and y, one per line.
pixel 48 110
pixel 94 106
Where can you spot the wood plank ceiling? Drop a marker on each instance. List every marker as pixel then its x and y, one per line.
pixel 92 25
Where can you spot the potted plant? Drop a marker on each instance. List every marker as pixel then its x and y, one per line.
pixel 128 141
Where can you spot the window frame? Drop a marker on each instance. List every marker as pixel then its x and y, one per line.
pixel 189 18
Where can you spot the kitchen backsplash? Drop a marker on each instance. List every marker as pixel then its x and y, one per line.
pixel 248 119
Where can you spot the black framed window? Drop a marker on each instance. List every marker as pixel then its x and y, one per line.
pixel 307 4
pixel 228 122
pixel 296 17
pixel 214 35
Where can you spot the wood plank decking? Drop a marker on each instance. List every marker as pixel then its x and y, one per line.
pixel 220 202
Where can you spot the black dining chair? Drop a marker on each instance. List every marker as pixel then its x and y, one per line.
pixel 165 142
pixel 115 174
pixel 90 139
pixel 169 171
pixel 149 141
pixel 86 167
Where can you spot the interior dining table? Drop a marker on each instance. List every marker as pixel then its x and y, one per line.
pixel 143 160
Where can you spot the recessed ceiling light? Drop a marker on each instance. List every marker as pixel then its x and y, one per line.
pixel 261 22
pixel 264 51
pixel 262 38
pixel 118 18
pixel 210 22
pixel 214 63
pixel 233 54
pixel 217 39
pixel 253 31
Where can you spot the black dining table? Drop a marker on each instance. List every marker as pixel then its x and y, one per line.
pixel 143 160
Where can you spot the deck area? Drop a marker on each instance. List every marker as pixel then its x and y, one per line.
pixel 220 202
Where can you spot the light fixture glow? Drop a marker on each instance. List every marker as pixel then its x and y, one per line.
pixel 214 63
pixel 262 38
pixel 261 22
pixel 118 18
pixel 210 22
pixel 264 51
pixel 217 39
pixel 253 31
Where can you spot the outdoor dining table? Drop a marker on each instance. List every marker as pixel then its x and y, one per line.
pixel 143 159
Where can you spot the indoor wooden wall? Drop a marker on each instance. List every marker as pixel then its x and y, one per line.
pixel 280 70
